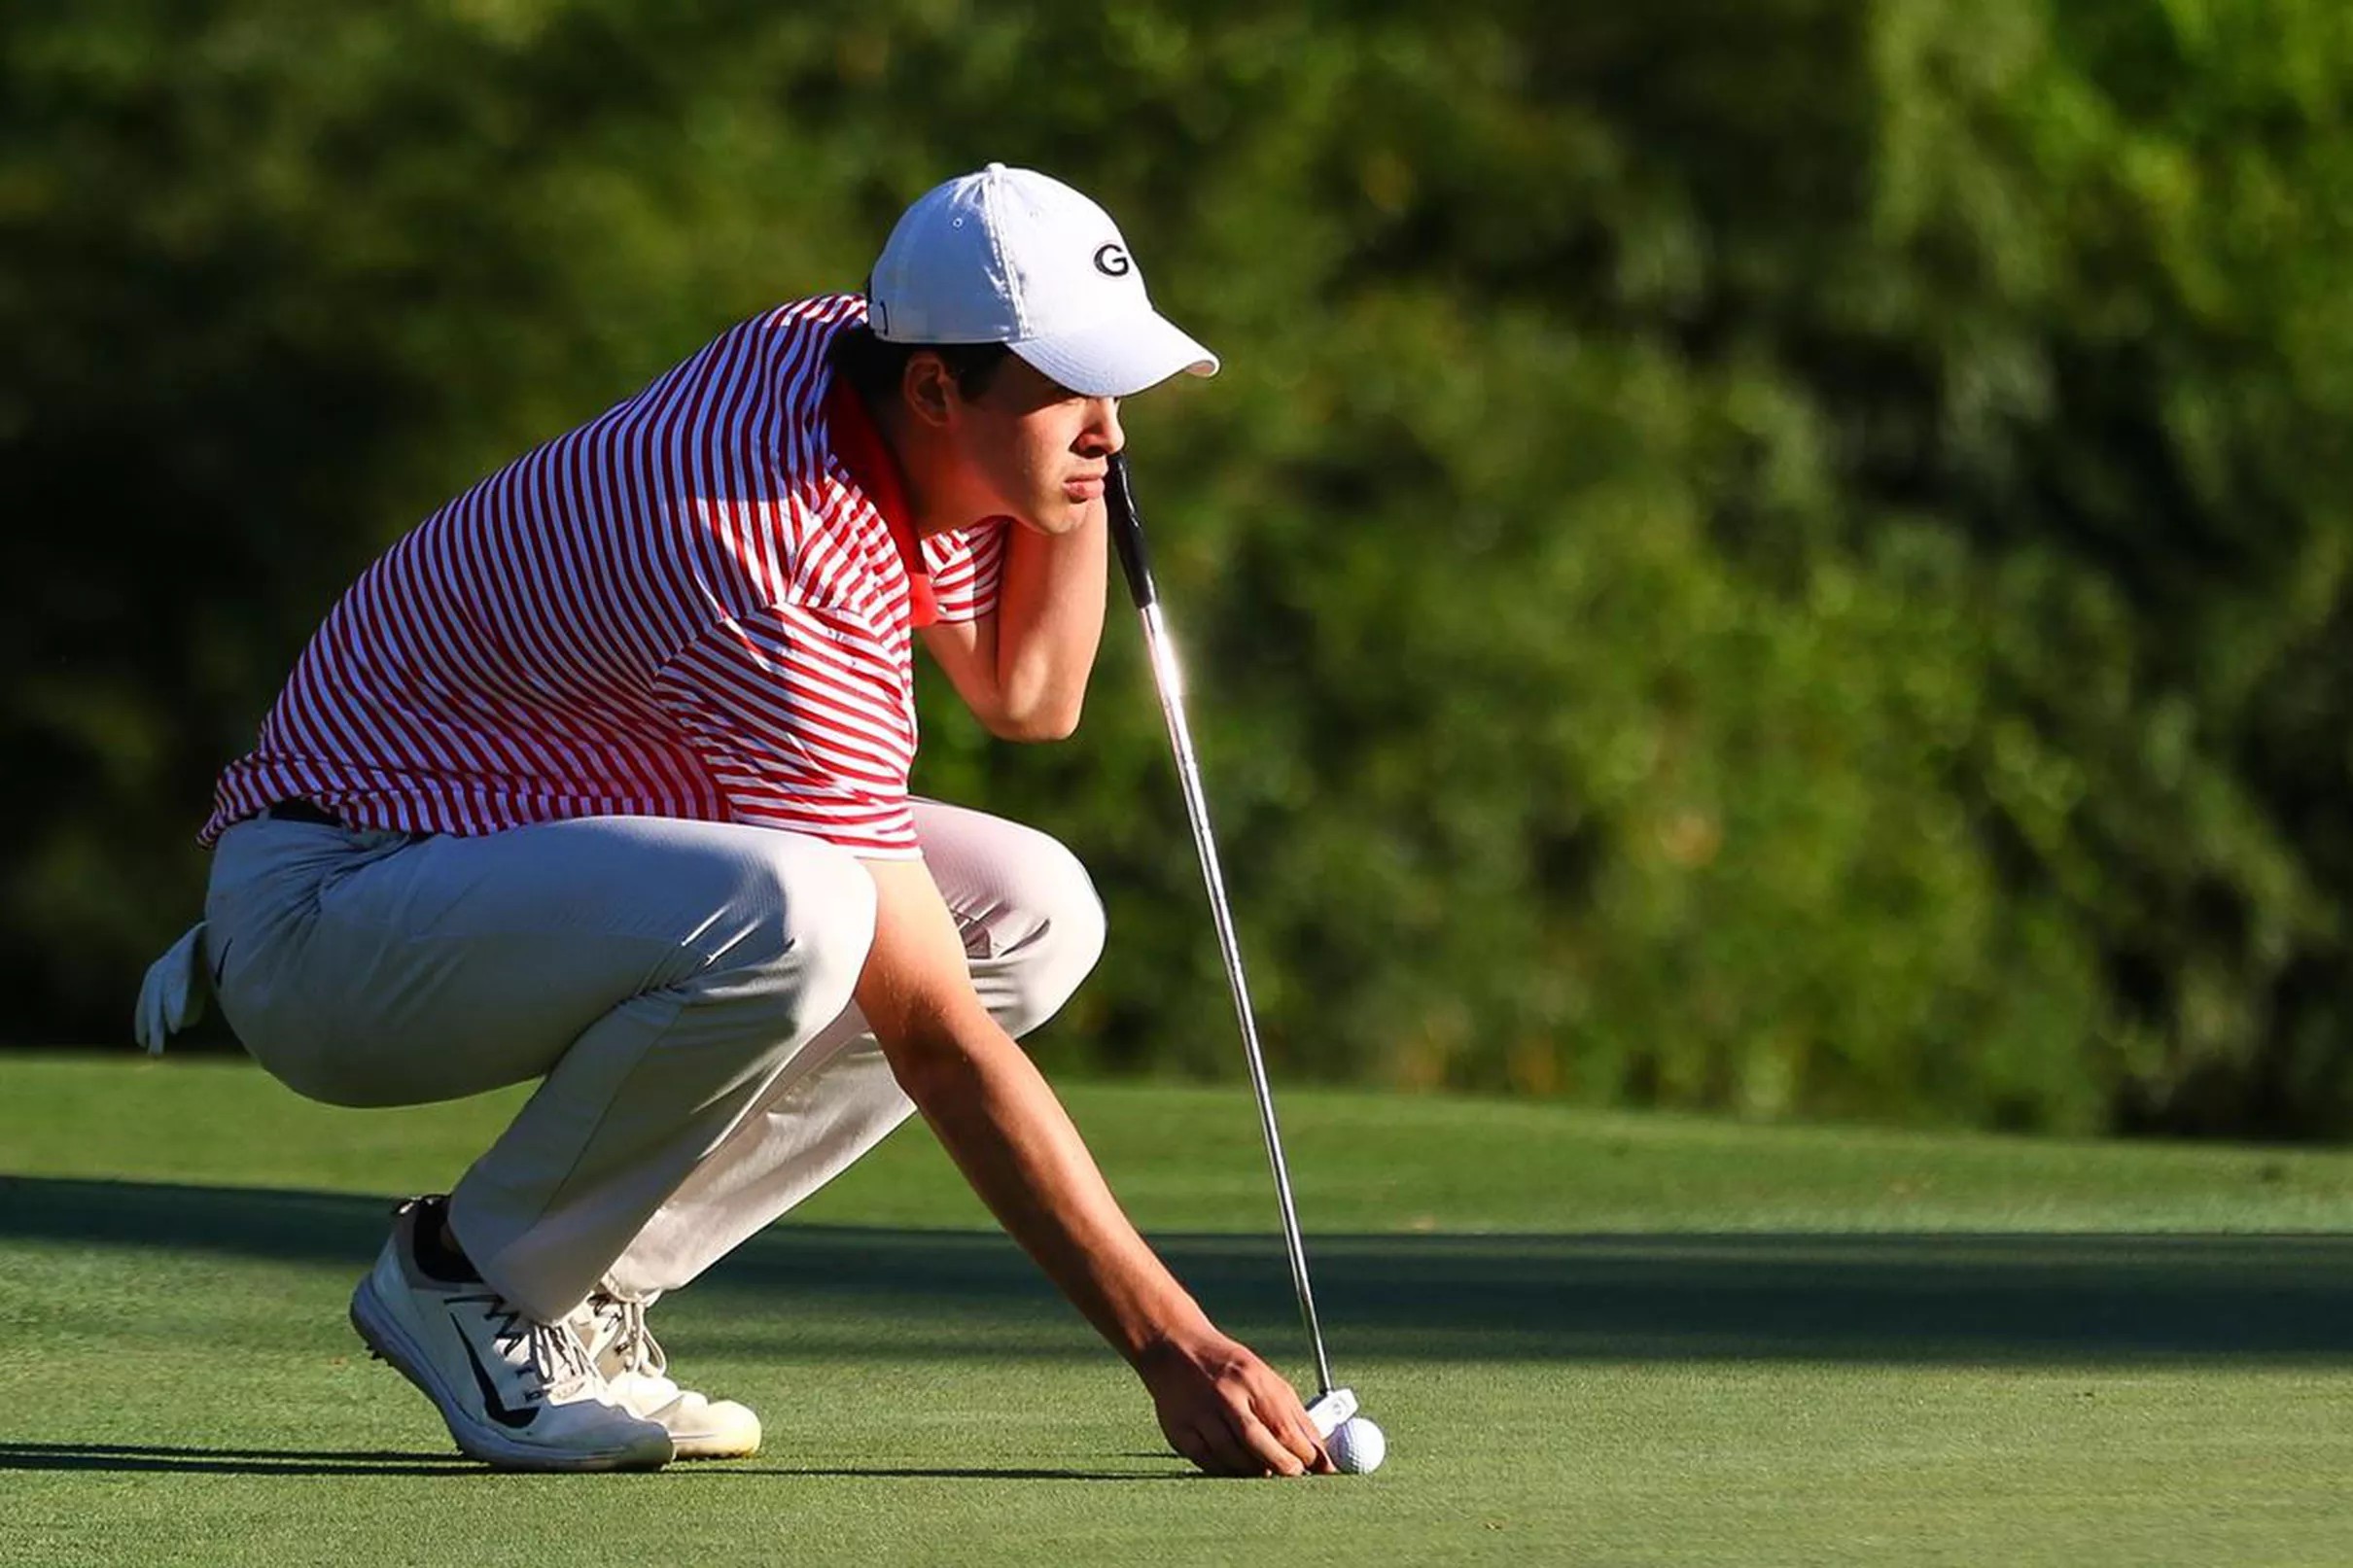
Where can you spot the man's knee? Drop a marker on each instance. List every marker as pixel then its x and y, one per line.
pixel 797 933
pixel 1046 939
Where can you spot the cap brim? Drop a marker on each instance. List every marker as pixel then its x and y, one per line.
pixel 1117 358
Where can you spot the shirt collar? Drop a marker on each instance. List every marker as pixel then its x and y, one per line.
pixel 860 448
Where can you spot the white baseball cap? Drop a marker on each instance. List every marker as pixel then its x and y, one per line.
pixel 1009 256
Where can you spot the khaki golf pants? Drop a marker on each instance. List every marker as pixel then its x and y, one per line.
pixel 682 989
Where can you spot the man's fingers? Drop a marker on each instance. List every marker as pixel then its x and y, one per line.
pixel 1308 1446
pixel 1189 1444
pixel 1196 1441
pixel 1225 1453
pixel 1270 1450
pixel 1230 1414
pixel 1287 1421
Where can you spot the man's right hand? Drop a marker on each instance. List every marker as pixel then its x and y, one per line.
pixel 1227 1411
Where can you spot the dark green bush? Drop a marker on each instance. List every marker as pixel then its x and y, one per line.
pixel 1779 555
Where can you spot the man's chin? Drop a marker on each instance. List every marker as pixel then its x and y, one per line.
pixel 1062 517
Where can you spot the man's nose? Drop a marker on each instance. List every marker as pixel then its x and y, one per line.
pixel 1103 436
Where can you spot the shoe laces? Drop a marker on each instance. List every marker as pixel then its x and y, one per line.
pixel 621 1332
pixel 554 1359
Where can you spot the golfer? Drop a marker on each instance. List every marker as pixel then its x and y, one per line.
pixel 599 778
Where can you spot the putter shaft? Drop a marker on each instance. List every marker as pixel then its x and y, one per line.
pixel 1168 679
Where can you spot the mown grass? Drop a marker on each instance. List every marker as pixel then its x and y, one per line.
pixel 1593 1338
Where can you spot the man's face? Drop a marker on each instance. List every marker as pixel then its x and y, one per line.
pixel 1032 449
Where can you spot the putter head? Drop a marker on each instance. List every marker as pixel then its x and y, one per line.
pixel 1331 1407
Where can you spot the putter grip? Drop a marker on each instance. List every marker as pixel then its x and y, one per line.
pixel 1127 533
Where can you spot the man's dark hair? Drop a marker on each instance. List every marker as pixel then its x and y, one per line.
pixel 876 367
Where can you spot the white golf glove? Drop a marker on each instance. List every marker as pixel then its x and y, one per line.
pixel 174 992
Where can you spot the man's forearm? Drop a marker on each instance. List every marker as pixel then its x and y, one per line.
pixel 1001 1124
pixel 1050 609
pixel 1000 1121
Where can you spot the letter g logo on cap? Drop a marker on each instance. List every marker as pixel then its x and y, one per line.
pixel 1112 261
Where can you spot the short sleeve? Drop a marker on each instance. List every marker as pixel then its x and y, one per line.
pixel 966 564
pixel 802 725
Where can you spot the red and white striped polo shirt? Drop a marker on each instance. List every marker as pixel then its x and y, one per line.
pixel 694 605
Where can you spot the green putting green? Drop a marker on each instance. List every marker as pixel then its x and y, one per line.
pixel 1593 1338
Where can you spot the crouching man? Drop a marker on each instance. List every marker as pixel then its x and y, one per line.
pixel 599 778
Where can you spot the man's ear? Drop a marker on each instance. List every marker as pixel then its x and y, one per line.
pixel 927 389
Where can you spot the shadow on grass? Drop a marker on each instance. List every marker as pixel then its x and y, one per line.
pixel 180 1461
pixel 157 1460
pixel 856 1292
pixel 922 1473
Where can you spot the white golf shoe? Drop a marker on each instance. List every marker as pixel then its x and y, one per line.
pixel 637 1371
pixel 517 1393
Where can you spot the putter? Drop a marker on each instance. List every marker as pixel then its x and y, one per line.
pixel 1331 1406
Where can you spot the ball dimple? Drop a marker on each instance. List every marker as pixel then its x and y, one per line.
pixel 1357 1448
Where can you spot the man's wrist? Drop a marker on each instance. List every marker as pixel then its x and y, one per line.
pixel 1180 1339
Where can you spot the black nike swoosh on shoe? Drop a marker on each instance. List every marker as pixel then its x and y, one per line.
pixel 495 1407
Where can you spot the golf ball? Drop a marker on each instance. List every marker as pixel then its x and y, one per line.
pixel 1357 1447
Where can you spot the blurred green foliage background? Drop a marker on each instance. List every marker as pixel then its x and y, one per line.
pixel 1779 555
